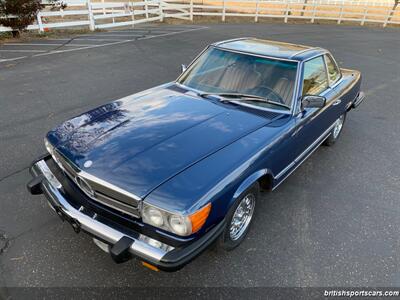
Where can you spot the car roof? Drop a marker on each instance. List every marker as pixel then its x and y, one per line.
pixel 269 48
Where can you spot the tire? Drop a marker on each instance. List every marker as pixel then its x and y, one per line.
pixel 229 240
pixel 336 131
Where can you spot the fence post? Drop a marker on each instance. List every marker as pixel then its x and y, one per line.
pixel 314 12
pixel 286 11
pixel 388 17
pixel 160 5
pixel 39 21
pixel 191 10
pixel 256 17
pixel 223 10
pixel 340 14
pixel 132 11
pixel 146 9
pixel 392 12
pixel 304 7
pixel 104 9
pixel 91 17
pixel 364 16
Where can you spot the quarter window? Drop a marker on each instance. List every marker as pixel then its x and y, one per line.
pixel 333 71
pixel 315 79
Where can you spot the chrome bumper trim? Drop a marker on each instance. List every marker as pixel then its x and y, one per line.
pixel 360 98
pixel 51 187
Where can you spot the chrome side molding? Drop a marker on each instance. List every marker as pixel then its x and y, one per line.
pixel 303 156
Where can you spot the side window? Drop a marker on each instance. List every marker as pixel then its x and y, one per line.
pixel 315 79
pixel 333 71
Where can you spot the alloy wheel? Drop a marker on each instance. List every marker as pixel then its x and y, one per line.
pixel 338 126
pixel 242 217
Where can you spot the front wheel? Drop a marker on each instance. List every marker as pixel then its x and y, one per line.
pixel 336 130
pixel 239 219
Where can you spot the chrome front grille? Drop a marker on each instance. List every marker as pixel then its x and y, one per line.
pixel 66 166
pixel 99 190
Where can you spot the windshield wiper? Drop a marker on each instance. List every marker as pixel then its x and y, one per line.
pixel 244 97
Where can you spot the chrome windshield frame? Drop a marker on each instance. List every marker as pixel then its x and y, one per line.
pixel 295 89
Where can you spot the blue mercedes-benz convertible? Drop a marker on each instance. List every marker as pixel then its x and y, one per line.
pixel 162 174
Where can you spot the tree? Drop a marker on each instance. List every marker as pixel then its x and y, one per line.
pixel 395 4
pixel 304 7
pixel 19 14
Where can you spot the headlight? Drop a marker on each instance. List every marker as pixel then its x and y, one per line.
pixel 153 216
pixel 178 224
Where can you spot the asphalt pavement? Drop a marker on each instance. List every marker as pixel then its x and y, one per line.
pixel 334 222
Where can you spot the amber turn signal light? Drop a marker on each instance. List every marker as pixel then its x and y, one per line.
pixel 199 217
pixel 151 267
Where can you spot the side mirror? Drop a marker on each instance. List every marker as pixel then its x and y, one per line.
pixel 183 68
pixel 312 101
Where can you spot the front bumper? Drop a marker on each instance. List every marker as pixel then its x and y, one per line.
pixel 122 245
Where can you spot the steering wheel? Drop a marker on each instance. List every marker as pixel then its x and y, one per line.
pixel 272 95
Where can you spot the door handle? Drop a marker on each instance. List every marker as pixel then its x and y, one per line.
pixel 337 102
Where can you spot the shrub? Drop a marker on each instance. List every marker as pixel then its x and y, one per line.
pixel 19 14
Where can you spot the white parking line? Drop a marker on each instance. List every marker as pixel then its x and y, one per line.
pixel 103 45
pixel 139 30
pixel 10 59
pixel 94 39
pixel 80 38
pixel 57 39
pixel 163 28
pixel 67 45
pixel 13 50
pixel 122 35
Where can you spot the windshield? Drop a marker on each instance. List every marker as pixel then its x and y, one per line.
pixel 223 72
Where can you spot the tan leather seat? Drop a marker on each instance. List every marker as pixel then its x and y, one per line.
pixel 283 88
pixel 239 77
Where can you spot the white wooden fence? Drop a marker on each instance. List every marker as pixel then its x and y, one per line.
pixel 97 15
pixel 339 11
pixel 102 14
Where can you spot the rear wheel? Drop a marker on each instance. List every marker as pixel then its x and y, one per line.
pixel 336 130
pixel 239 219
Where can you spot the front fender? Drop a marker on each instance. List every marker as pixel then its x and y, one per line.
pixel 249 181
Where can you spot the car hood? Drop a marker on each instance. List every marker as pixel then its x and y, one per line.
pixel 141 141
